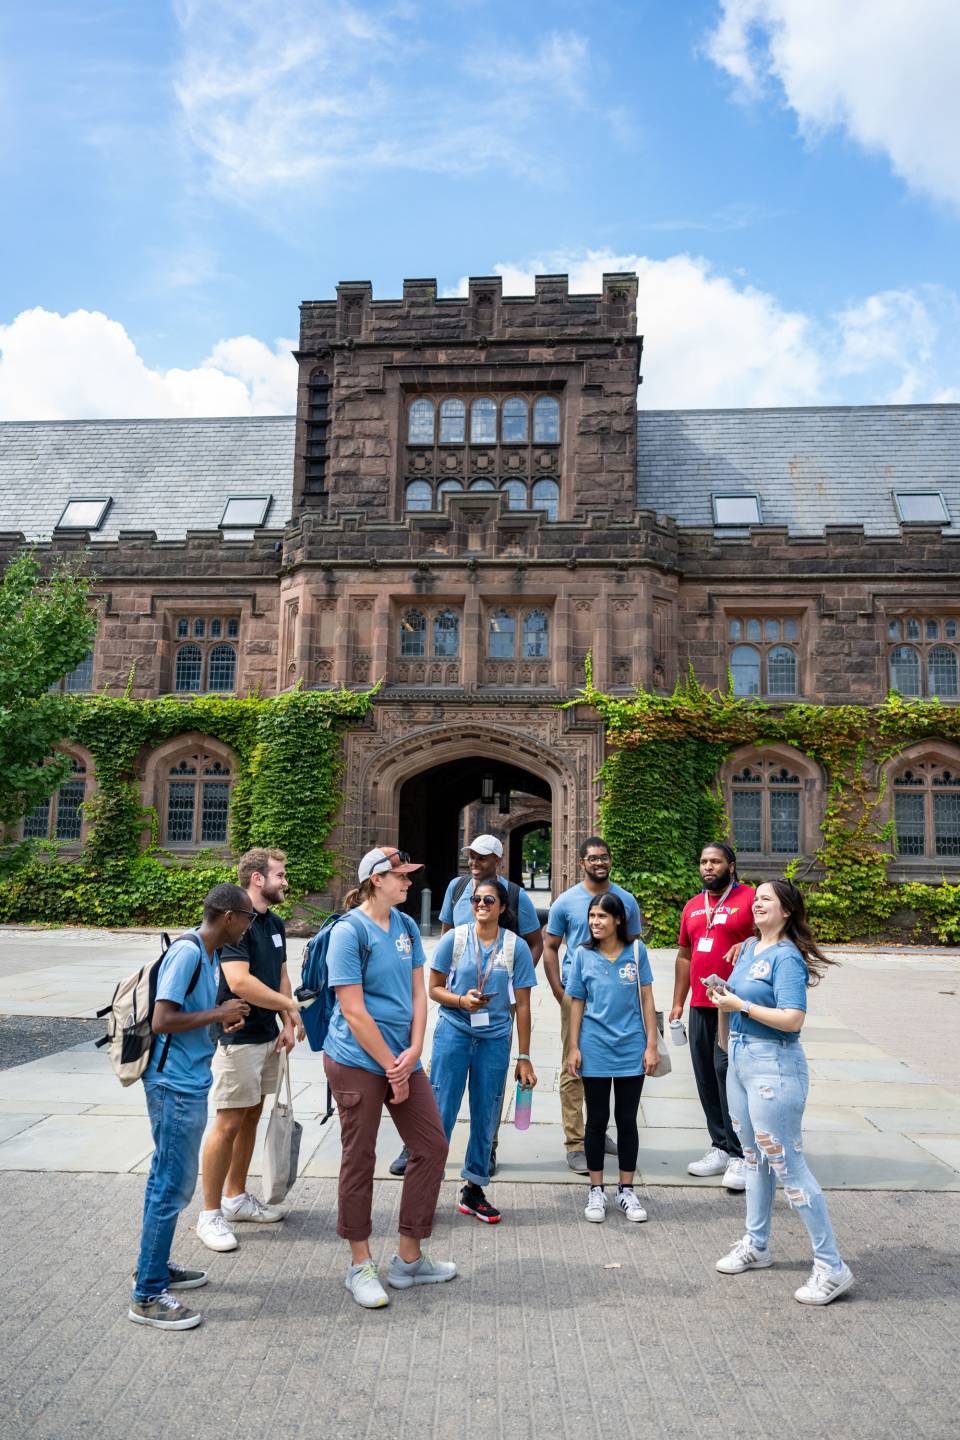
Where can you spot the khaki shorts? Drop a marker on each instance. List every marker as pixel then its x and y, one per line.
pixel 243 1074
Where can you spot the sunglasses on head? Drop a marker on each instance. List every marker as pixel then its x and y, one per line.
pixel 483 900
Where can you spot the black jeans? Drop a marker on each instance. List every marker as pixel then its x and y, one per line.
pixel 710 1072
pixel 626 1103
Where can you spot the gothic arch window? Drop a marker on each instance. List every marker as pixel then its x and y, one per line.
pixel 546 421
pixel 926 805
pixel 483 421
pixel 781 671
pixel 188 670
pixel 482 485
pixel 942 672
pixel 449 487
pixel 79 679
pixel 516 493
pixel 222 667
pixel 420 422
pixel 196 802
pixel 514 421
pixel 419 495
pixel 905 670
pixel 546 497
pixel 413 635
pixel 745 669
pixel 769 793
pixel 502 635
pixel 60 816
pixel 446 635
pixel 453 422
pixel 536 635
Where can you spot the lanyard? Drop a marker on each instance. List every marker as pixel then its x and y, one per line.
pixel 477 946
pixel 711 913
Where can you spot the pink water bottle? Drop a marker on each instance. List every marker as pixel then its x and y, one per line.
pixel 523 1106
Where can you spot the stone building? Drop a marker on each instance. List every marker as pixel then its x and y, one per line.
pixel 469 501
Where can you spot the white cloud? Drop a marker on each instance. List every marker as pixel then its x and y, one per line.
pixel 710 341
pixel 289 93
pixel 84 365
pixel 883 71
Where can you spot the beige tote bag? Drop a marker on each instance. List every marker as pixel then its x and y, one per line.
pixel 281 1144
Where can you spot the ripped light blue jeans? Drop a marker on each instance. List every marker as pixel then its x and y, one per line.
pixel 767 1083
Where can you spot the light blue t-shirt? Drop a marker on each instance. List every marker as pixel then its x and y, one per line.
pixel 387 980
pixel 496 984
pixel 776 977
pixel 187 1066
pixel 462 912
pixel 568 920
pixel 613 1036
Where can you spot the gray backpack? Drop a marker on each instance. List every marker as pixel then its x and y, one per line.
pixel 129 1016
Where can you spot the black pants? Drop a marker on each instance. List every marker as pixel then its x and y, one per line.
pixel 626 1103
pixel 710 1072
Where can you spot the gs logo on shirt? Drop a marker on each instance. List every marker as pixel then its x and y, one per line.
pixel 404 944
pixel 628 973
pixel 760 969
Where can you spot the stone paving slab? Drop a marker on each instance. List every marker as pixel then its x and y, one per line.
pixel 553 1328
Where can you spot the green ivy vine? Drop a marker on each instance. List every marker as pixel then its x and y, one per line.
pixel 286 794
pixel 661 802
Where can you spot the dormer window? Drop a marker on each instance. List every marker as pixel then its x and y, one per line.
pixel 245 512
pixel 736 510
pixel 918 507
pixel 84 514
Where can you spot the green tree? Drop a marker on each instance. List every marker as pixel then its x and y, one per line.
pixel 536 849
pixel 46 629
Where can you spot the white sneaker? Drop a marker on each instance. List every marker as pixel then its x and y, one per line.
pixel 735 1175
pixel 714 1162
pixel 824 1284
pixel 250 1208
pixel 744 1256
pixel 363 1282
pixel 596 1208
pixel 629 1203
pixel 215 1233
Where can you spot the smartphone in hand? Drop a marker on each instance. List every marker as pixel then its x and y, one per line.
pixel 714 982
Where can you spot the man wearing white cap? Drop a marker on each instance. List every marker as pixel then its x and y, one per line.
pixel 484 854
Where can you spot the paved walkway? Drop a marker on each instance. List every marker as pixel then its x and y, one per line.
pixel 553 1328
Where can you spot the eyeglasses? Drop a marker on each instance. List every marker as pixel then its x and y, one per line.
pixel 247 914
pixel 596 859
pixel 483 900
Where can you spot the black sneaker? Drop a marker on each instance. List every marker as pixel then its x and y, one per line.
pixel 180 1279
pixel 399 1166
pixel 164 1312
pixel 474 1202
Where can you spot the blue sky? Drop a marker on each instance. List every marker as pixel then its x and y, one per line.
pixel 178 176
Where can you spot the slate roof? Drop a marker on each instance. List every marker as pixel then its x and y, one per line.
pixel 811 467
pixel 169 476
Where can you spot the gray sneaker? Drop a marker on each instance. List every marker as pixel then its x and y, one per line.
pixel 180 1279
pixel 363 1282
pixel 576 1160
pixel 399 1165
pixel 423 1271
pixel 163 1312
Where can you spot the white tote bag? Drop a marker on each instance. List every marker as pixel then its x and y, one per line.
pixel 281 1144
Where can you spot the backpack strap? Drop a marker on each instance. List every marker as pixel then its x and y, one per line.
pixel 509 951
pixel 462 884
pixel 190 935
pixel 460 936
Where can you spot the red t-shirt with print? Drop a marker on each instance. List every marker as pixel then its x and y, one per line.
pixel 730 922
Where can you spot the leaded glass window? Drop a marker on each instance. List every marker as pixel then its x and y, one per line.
pixel 413 635
pixel 745 669
pixel 420 423
pixel 483 422
pixel 188 672
pixel 446 635
pixel 502 636
pixel 419 496
pixel 453 422
pixel 546 421
pixel 222 668
pixel 513 425
pixel 546 497
pixel 905 670
pixel 536 635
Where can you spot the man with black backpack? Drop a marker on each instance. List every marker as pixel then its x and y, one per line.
pixel 484 854
pixel 177 1082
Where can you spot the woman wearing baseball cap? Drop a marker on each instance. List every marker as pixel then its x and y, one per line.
pixel 372 1058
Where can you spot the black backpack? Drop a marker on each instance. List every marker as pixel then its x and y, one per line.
pixel 510 919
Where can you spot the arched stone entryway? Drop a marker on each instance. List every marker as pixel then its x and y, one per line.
pixel 553 755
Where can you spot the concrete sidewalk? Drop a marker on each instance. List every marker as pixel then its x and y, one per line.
pixel 875 1118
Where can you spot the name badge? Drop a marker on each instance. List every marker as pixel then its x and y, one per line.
pixel 277 939
pixel 720 919
pixel 705 944
pixel 479 1019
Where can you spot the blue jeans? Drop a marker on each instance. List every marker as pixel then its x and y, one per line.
pixel 767 1085
pixel 178 1120
pixel 459 1054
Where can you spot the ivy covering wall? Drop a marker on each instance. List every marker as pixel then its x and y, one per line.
pixel 286 795
pixel 661 803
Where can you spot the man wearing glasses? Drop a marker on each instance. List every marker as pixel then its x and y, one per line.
pixel 567 921
pixel 247 1062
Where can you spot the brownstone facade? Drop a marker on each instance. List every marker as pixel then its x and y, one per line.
pixel 464 527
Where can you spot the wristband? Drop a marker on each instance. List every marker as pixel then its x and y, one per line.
pixel 523 1057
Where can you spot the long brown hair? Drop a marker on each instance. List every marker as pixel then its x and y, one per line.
pixel 797 929
pixel 364 891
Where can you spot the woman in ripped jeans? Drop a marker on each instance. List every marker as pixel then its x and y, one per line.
pixel 767 1082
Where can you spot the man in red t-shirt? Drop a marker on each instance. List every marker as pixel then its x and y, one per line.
pixel 722 916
